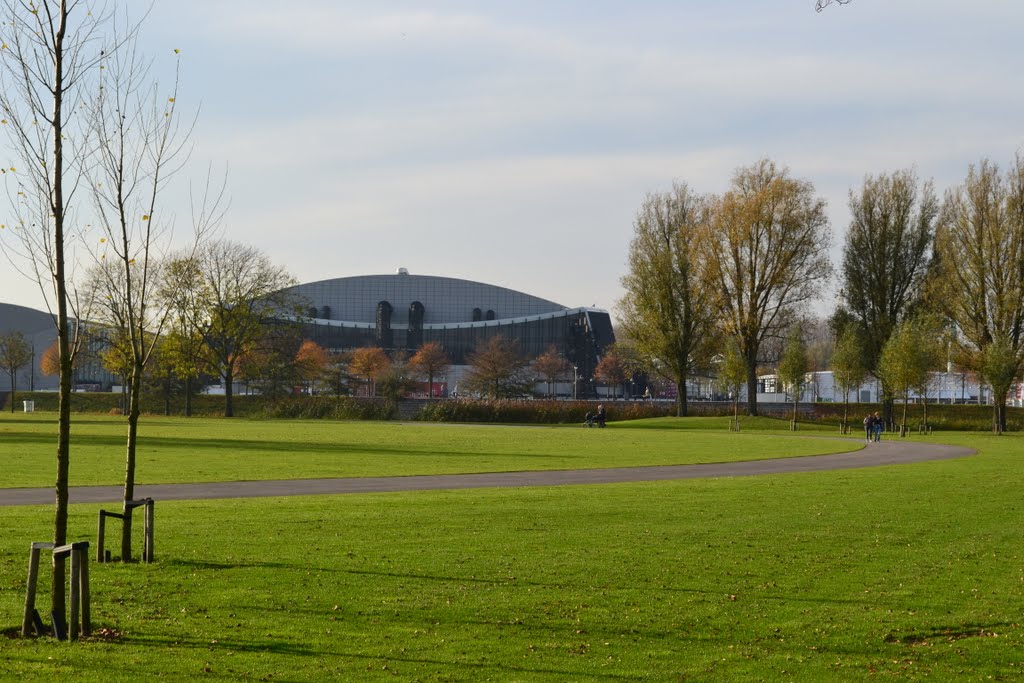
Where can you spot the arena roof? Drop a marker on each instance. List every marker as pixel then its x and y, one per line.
pixel 445 300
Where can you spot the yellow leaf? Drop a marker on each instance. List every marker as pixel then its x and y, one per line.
pixel 170 99
pixel 102 240
pixel 145 217
pixel 177 51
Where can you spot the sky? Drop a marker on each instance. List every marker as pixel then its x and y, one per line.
pixel 513 142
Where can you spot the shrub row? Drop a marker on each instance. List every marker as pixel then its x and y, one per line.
pixel 328 407
pixel 535 412
pixel 940 417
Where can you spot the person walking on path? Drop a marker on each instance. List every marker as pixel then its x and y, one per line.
pixel 869 428
pixel 601 415
pixel 878 424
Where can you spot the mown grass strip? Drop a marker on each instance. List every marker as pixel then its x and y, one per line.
pixel 177 450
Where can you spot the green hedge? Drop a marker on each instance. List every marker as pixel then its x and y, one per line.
pixel 297 407
pixel 328 407
pixel 940 417
pixel 535 412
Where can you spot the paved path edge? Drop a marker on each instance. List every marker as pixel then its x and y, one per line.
pixel 873 455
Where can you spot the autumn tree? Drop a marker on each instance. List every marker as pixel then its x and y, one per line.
pixel 498 369
pixel 980 284
pixel 237 290
pixel 848 367
pixel 766 249
pixel 183 293
pixel 395 381
pixel 15 353
pixel 369 363
pixel 551 366
pixel 886 259
pixel 793 366
pixel 614 369
pixel 310 363
pixel 668 309
pixel 267 363
pixel 49 360
pixel 429 361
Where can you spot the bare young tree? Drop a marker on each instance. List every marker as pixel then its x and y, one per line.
pixel 139 146
pixel 766 249
pixel 51 50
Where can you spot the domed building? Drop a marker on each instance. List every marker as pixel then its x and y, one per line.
pixel 401 312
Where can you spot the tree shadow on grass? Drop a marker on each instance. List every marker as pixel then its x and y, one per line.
pixel 220 566
pixel 273 646
pixel 248 447
pixel 946 633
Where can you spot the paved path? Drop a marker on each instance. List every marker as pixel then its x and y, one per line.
pixel 874 455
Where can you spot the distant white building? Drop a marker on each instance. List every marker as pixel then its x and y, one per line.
pixel 943 387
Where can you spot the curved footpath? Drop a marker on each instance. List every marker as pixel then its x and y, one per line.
pixel 872 455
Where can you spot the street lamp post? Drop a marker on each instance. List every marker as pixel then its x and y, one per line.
pixel 575 381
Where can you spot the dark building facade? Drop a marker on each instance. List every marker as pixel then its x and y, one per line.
pixel 401 312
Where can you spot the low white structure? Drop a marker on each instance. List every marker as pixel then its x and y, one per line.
pixel 943 387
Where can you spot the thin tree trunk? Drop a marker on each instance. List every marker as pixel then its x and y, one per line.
pixel 229 406
pixel 846 410
pixel 751 387
pixel 906 400
pixel 682 399
pixel 60 523
pixel 129 470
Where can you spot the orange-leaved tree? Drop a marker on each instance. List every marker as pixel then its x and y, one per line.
pixel 429 361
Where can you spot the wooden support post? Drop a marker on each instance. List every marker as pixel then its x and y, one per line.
pixel 147 543
pixel 80 612
pixel 84 591
pixel 100 534
pixel 28 623
pixel 76 596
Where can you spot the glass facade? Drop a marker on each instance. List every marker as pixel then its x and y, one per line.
pixel 402 312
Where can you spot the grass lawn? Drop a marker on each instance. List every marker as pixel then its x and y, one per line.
pixel 911 572
pixel 176 450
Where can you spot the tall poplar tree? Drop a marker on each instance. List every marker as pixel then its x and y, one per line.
pixel 886 259
pixel 766 249
pixel 980 284
pixel 667 310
